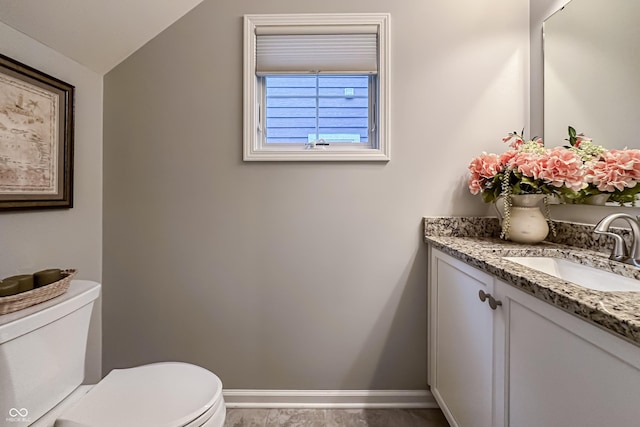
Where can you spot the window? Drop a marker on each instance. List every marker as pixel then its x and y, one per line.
pixel 328 108
pixel 316 87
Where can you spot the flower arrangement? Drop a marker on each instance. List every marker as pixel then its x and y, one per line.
pixel 528 167
pixel 573 173
pixel 613 172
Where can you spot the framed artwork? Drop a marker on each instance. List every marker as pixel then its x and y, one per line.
pixel 36 139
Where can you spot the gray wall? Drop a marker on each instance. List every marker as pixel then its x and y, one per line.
pixel 68 238
pixel 293 275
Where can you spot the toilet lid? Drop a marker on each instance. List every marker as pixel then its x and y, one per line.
pixel 168 394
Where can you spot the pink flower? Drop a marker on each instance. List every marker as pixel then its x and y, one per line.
pixel 528 164
pixel 514 140
pixel 614 171
pixel 560 166
pixel 483 168
pixel 506 157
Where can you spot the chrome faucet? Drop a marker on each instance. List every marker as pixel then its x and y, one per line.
pixel 620 252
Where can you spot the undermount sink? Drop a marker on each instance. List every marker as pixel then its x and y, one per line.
pixel 582 275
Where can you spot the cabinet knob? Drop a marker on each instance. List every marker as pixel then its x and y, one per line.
pixel 493 303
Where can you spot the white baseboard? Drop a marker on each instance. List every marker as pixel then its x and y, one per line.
pixel 330 399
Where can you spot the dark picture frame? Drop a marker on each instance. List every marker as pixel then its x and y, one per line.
pixel 36 138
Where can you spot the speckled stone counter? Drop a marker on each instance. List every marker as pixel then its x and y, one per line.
pixel 475 241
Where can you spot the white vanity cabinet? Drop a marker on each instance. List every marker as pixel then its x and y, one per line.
pixel 461 342
pixel 564 371
pixel 526 363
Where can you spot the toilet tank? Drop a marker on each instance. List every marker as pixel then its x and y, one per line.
pixel 42 352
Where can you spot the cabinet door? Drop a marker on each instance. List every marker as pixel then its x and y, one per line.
pixel 563 371
pixel 461 341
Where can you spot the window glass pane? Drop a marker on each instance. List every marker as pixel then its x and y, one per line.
pixel 301 109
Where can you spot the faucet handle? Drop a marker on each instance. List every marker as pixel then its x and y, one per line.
pixel 620 252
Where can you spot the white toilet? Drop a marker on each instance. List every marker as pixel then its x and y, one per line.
pixel 42 358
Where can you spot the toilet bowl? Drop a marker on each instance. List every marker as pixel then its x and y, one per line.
pixel 169 394
pixel 43 353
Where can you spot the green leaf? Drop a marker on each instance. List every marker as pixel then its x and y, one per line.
pixel 572 136
pixel 487 196
pixel 517 189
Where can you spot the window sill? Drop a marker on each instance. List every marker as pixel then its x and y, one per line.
pixel 280 154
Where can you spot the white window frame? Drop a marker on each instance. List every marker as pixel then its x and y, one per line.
pixel 254 146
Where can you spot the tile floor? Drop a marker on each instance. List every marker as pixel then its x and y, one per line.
pixel 335 418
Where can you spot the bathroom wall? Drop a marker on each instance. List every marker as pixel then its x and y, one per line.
pixel 69 238
pixel 293 275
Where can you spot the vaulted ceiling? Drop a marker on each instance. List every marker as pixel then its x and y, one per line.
pixel 96 33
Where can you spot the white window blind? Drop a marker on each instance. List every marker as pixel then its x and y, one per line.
pixel 338 49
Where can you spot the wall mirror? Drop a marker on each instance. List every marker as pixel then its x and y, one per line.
pixel 592 72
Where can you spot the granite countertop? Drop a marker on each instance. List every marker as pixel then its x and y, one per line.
pixel 474 240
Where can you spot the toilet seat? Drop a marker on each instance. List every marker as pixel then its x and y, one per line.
pixel 167 394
